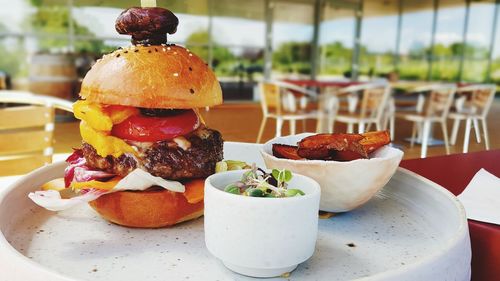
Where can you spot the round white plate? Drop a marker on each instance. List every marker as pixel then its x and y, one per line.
pixel 412 230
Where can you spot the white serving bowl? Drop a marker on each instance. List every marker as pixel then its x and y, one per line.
pixel 260 237
pixel 344 185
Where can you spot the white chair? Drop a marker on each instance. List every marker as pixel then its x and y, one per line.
pixel 433 109
pixel 389 116
pixel 328 106
pixel 13 96
pixel 473 106
pixel 374 97
pixel 278 100
pixel 26 131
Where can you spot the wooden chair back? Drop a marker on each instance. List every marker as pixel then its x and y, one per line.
pixel 439 102
pixel 481 98
pixel 270 97
pixel 373 100
pixel 26 130
pixel 26 136
pixel 282 97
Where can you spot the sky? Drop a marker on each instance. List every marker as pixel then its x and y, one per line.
pixel 378 33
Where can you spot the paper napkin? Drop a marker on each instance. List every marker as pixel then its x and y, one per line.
pixel 481 198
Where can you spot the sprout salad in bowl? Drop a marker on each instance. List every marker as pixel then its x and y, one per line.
pixel 237 209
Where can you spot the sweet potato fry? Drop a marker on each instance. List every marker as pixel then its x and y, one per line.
pixel 286 151
pixel 323 146
pixel 321 153
pixel 374 140
pixel 346 155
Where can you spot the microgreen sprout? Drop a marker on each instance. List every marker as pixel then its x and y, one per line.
pixel 230 165
pixel 258 183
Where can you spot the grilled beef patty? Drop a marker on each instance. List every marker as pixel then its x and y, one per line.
pixel 166 159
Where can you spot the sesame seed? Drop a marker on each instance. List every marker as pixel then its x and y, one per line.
pixel 118 55
pixel 126 52
pixel 156 50
pixel 164 49
pixel 190 68
pixel 176 74
pixel 190 54
pixel 191 91
pixel 168 48
pixel 136 51
pixel 149 51
pixel 175 53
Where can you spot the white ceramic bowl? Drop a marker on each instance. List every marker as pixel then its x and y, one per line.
pixel 344 185
pixel 260 237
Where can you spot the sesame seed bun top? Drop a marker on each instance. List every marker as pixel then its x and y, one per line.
pixel 162 76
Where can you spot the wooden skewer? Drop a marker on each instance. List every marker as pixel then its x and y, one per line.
pixel 148 3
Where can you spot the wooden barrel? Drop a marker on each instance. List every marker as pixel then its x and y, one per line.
pixel 53 75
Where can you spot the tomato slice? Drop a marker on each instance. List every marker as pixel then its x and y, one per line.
pixel 150 129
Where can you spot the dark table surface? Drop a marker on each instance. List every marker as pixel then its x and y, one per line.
pixel 454 172
pixel 321 84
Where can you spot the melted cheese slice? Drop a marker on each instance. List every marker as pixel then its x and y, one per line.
pixel 93 115
pixel 96 125
pixel 119 113
pixel 195 191
pixel 103 143
pixel 103 185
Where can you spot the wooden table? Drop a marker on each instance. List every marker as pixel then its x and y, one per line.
pixel 454 172
pixel 321 84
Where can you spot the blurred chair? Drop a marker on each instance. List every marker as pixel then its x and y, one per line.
pixel 328 106
pixel 370 110
pixel 433 109
pixel 389 116
pixel 473 106
pixel 284 102
pixel 26 131
pixel 3 80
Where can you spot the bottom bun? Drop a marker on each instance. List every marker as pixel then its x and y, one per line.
pixel 151 208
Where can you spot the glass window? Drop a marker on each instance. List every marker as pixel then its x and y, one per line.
pixel 292 39
pixel 13 16
pixel 100 21
pixel 378 37
pixel 96 21
pixel 14 59
pixel 448 41
pixel 478 41
pixel 28 28
pixel 495 63
pixel 238 42
pixel 416 32
pixel 336 40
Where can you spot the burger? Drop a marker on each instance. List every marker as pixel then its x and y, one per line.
pixel 141 128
